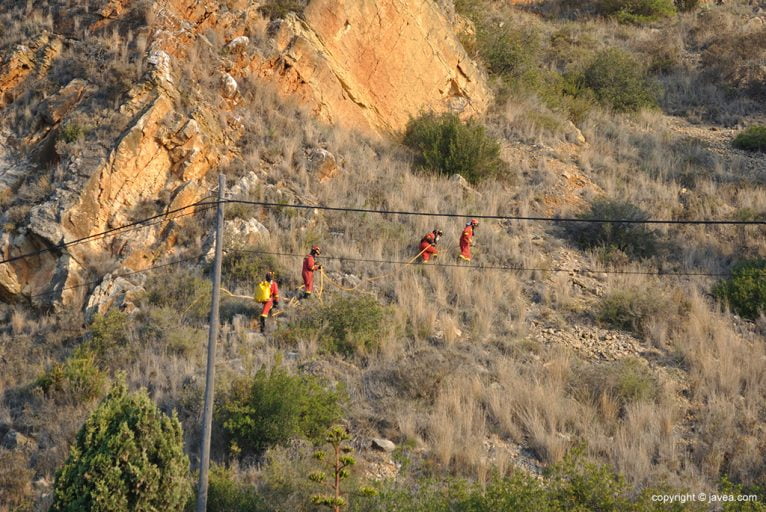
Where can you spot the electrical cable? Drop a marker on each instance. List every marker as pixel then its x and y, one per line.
pixel 507 268
pixel 114 231
pixel 500 217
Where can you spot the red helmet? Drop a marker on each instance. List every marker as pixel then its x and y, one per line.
pixel 315 248
pixel 474 222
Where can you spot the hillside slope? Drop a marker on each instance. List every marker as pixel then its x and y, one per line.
pixel 118 111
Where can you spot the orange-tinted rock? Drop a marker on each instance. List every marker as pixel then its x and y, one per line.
pixel 374 64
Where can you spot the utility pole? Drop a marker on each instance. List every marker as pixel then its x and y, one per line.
pixel 207 421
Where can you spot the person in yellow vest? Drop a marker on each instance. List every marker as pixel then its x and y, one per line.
pixel 267 293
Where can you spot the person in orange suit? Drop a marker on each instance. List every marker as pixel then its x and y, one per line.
pixel 310 265
pixel 466 240
pixel 273 301
pixel 427 246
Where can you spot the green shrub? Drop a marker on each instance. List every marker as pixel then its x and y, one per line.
pixel 637 11
pixel 343 324
pixel 163 327
pixel 633 239
pixel 76 380
pixel 619 81
pixel 280 8
pixel 72 132
pixel 745 290
pixel 686 5
pixel 578 484
pixel 752 139
pixel 444 144
pixel 508 50
pixel 626 381
pixel 183 290
pixel 128 456
pixel 629 309
pixel 274 407
pixel 108 332
pixel 226 494
pixel 247 268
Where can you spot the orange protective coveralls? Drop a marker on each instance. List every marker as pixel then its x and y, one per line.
pixel 270 303
pixel 426 248
pixel 465 243
pixel 309 267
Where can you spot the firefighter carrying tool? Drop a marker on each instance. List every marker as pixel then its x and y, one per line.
pixel 428 244
pixel 466 240
pixel 267 293
pixel 310 265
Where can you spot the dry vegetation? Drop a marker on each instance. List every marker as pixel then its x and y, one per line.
pixel 470 375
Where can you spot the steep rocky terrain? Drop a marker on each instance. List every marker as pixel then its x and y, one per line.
pixel 351 64
pixel 115 111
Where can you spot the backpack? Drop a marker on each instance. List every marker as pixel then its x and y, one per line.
pixel 263 292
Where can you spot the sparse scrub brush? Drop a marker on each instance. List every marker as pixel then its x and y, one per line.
pixel 619 81
pixel 226 494
pixel 275 9
pixel 752 139
pixel 127 457
pixel 631 309
pixel 625 381
pixel 637 11
pixel 745 290
pixel 274 407
pixel 345 324
pixel 444 144
pixel 76 380
pixel 633 239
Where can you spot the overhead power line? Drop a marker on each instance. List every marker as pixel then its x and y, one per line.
pixel 506 268
pixel 301 206
pixel 139 224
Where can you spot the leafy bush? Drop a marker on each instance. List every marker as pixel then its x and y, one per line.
pixel 72 132
pixel 575 484
pixel 274 407
pixel 745 290
pixel 77 379
pixel 508 50
pixel 687 5
pixel 280 8
pixel 108 332
pixel 629 237
pixel 752 138
pixel 619 81
pixel 626 381
pixel 163 327
pixel 247 268
pixel 226 494
pixel 444 144
pixel 637 11
pixel 182 290
pixel 344 324
pixel 630 309
pixel 127 456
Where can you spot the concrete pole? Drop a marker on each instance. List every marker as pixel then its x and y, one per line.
pixel 207 421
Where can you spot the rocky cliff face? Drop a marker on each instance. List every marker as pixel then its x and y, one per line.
pixel 374 64
pixel 77 159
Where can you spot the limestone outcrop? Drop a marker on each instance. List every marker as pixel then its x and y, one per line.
pixel 374 64
pixel 369 65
